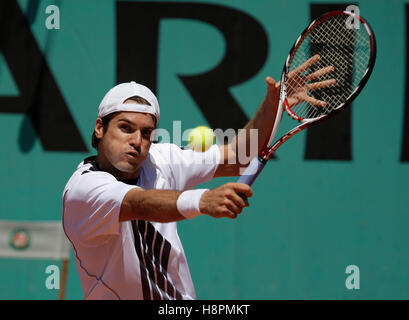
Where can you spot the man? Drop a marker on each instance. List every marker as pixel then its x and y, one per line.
pixel 120 208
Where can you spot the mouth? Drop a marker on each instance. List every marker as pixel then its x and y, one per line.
pixel 133 154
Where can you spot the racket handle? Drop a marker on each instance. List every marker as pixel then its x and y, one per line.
pixel 251 173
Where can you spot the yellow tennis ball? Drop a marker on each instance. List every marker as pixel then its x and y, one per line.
pixel 201 138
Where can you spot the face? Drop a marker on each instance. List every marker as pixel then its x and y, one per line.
pixel 124 146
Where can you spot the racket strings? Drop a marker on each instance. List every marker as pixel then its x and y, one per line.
pixel 346 49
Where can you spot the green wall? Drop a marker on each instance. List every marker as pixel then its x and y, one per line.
pixel 308 219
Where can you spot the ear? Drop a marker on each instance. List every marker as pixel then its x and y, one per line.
pixel 99 128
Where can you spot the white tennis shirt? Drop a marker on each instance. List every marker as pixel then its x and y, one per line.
pixel 132 259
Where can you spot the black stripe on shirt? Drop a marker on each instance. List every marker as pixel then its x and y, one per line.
pixel 144 277
pixel 147 252
pixel 152 233
pixel 154 260
pixel 163 259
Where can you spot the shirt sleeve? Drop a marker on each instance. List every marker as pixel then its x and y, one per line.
pixel 189 168
pixel 91 206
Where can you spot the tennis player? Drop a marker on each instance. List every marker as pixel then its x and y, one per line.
pixel 121 206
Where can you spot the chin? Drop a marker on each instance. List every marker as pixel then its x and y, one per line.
pixel 126 167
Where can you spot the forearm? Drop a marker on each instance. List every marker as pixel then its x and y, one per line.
pixel 150 205
pixel 240 151
pixel 261 124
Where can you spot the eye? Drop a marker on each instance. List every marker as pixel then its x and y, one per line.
pixel 125 128
pixel 146 133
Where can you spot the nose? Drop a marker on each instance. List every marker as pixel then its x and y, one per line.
pixel 136 139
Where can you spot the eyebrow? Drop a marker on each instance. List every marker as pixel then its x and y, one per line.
pixel 133 123
pixel 126 120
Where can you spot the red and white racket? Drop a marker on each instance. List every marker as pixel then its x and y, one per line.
pixel 327 68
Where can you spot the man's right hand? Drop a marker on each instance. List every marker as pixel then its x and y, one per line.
pixel 225 200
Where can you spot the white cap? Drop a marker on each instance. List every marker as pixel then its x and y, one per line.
pixel 115 98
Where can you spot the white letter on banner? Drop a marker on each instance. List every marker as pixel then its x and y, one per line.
pixel 352 22
pixel 352 281
pixel 53 280
pixel 52 21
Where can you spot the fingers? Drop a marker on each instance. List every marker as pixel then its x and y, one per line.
pixel 270 81
pixel 225 201
pixel 316 86
pixel 238 199
pixel 235 202
pixel 273 89
pixel 319 73
pixel 234 209
pixel 241 188
pixel 305 66
pixel 298 86
pixel 313 101
pixel 321 84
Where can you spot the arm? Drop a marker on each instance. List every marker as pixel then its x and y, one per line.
pixel 150 205
pixel 161 205
pixel 262 121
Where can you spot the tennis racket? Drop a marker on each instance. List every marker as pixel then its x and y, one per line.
pixel 326 69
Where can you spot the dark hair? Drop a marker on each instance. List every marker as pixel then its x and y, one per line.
pixel 105 123
pixel 108 118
